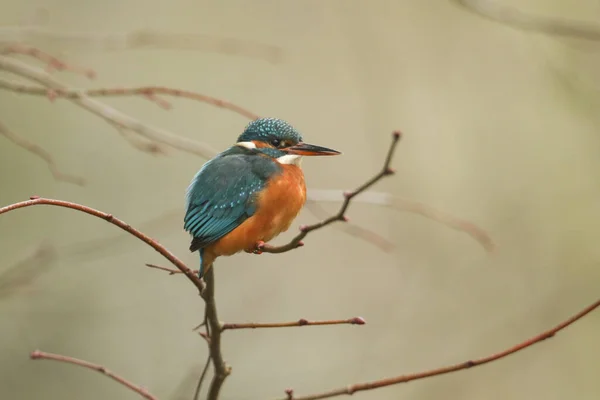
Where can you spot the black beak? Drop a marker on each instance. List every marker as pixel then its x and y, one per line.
pixel 305 149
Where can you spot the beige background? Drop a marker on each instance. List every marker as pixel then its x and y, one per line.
pixel 501 128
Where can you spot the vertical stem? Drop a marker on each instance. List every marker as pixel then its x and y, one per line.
pixel 220 367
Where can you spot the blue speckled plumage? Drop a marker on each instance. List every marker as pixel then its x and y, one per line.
pixel 266 129
pixel 222 194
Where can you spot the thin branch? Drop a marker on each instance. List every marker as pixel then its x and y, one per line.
pixel 39 355
pixel 512 17
pixel 41 153
pixel 300 322
pixel 222 370
pixel 201 379
pixel 171 271
pixel 109 114
pixel 368 235
pixel 404 205
pixel 351 389
pixel 149 92
pixel 52 63
pixel 340 216
pixel 34 201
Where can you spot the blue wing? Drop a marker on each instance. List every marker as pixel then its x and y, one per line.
pixel 222 195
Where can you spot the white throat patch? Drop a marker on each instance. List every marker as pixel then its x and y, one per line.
pixel 248 145
pixel 293 159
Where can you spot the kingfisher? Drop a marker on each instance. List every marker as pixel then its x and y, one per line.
pixel 249 193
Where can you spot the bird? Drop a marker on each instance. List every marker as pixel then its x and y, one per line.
pixel 250 193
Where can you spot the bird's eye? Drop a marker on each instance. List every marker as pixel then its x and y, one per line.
pixel 276 142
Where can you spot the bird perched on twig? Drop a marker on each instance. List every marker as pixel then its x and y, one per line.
pixel 250 193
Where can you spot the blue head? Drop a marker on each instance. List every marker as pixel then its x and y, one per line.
pixel 276 138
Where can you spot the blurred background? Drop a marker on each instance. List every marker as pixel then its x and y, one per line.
pixel 500 128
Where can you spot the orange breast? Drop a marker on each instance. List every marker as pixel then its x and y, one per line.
pixel 278 205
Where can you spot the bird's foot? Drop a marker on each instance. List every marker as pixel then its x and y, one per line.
pixel 258 248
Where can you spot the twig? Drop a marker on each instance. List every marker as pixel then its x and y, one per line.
pixel 512 17
pixel 368 235
pixel 399 204
pixel 41 153
pixel 201 379
pixel 149 92
pixel 340 216
pixel 171 271
pixel 109 114
pixel 52 63
pixel 222 370
pixel 39 355
pixel 300 322
pixel 351 389
pixel 34 201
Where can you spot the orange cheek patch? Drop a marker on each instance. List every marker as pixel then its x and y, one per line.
pixel 260 145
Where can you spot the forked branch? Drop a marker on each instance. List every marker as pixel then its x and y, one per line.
pixel 341 214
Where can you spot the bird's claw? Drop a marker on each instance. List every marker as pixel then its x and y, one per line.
pixel 258 249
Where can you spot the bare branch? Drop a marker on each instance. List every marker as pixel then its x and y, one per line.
pixel 52 63
pixel 171 271
pixel 149 92
pixel 351 389
pixel 222 370
pixel 201 379
pixel 109 114
pixel 340 216
pixel 300 322
pixel 34 201
pixel 39 355
pixel 41 153
pixel 512 17
pixel 399 204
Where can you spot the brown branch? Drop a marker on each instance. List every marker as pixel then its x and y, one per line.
pixel 171 271
pixel 41 153
pixel 351 389
pixel 512 17
pixel 201 379
pixel 104 111
pixel 222 370
pixel 40 355
pixel 52 63
pixel 340 216
pixel 34 201
pixel 300 322
pixel 149 92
